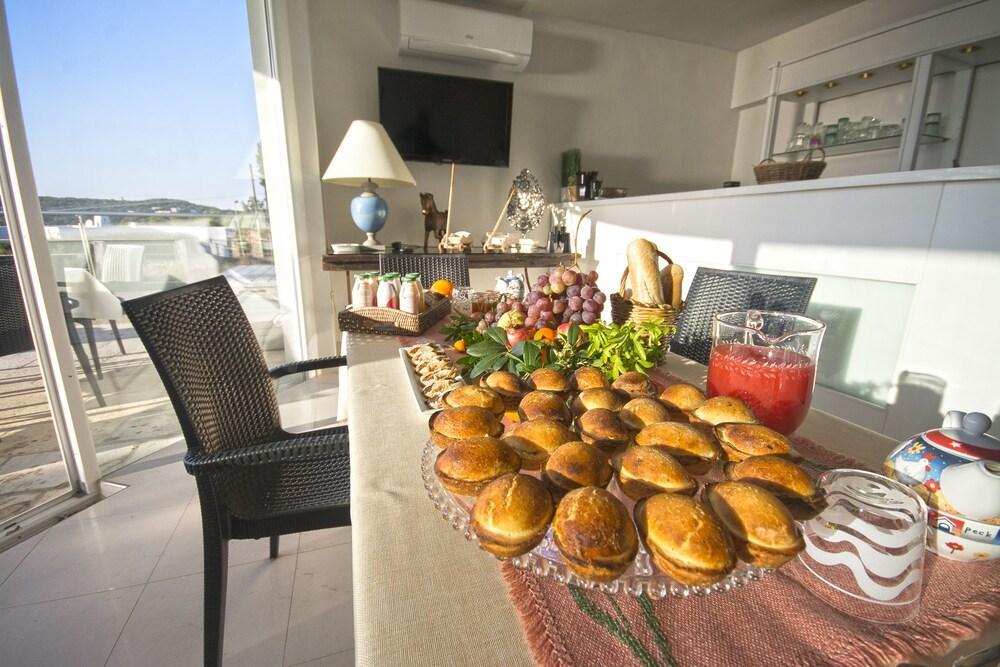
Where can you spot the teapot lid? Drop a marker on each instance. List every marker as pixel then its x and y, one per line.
pixel 965 435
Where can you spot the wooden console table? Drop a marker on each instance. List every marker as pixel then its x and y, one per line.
pixel 367 261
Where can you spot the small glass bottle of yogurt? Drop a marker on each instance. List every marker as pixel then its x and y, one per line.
pixel 409 296
pixel 387 295
pixel 362 294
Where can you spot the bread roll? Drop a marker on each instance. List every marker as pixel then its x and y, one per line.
pixel 594 534
pixel 724 409
pixel 603 429
pixel 511 515
pixel 784 479
pixel 677 285
pixel 693 447
pixel 642 411
pixel 453 424
pixel 534 440
pixel 574 465
pixel 469 465
pixel 482 397
pixel 635 384
pixel 548 379
pixel 741 441
pixel 763 530
pixel 543 405
pixel 684 539
pixel 506 384
pixel 644 272
pixel 600 397
pixel 588 377
pixel 646 471
pixel 683 396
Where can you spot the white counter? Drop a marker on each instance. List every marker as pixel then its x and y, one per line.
pixel 908 266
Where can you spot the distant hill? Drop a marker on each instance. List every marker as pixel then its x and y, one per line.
pixel 76 206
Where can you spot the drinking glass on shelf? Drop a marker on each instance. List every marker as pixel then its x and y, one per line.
pixel 768 359
pixel 461 300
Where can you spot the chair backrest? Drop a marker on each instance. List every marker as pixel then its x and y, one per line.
pixel 122 263
pixel 453 267
pixel 205 351
pixel 715 291
pixel 15 333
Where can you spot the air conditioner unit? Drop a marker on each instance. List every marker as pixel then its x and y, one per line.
pixel 437 30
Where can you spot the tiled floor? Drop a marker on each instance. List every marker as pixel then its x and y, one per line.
pixel 120 583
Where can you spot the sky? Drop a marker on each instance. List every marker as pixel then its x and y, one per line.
pixel 137 99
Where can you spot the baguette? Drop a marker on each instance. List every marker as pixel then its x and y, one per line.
pixel 677 283
pixel 667 284
pixel 644 274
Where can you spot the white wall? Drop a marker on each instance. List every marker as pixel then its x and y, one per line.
pixel 649 113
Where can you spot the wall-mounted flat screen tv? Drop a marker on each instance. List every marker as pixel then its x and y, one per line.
pixel 437 118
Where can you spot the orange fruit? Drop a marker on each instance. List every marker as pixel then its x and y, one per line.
pixel 460 345
pixel 442 287
pixel 545 335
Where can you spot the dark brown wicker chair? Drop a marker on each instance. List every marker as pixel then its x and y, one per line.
pixel 715 291
pixel 254 479
pixel 431 267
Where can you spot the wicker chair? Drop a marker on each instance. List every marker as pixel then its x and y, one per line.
pixel 453 267
pixel 254 479
pixel 715 291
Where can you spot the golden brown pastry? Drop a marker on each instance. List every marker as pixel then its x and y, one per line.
pixel 506 384
pixel 469 394
pixel 685 539
pixel 603 429
pixel 635 384
pixel 692 446
pixel 594 534
pixel 683 396
pixel 599 397
pixel 588 377
pixel 646 471
pixel 543 405
pixel 780 476
pixel 534 440
pixel 576 464
pixel 548 379
pixel 724 409
pixel 511 515
pixel 469 465
pixel 761 526
pixel 643 411
pixel 741 441
pixel 453 424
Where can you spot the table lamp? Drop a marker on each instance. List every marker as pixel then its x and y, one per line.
pixel 367 158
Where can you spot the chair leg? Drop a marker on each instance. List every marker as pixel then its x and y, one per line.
pixel 118 337
pixel 81 357
pixel 216 554
pixel 274 547
pixel 88 327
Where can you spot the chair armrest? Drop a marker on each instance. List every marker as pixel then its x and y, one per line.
pixel 309 365
pixel 308 447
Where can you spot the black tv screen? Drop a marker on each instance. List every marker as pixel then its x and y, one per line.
pixel 437 118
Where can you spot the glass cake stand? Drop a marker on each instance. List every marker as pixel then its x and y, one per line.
pixel 546 561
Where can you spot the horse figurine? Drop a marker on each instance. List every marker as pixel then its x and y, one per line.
pixel 434 220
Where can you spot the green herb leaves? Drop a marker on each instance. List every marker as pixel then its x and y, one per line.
pixel 620 348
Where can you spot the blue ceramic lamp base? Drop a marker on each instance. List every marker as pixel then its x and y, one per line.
pixel 369 212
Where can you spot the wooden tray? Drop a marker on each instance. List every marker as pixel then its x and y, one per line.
pixel 392 322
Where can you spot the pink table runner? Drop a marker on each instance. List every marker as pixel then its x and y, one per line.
pixel 775 621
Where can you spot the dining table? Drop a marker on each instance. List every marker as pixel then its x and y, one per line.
pixel 423 594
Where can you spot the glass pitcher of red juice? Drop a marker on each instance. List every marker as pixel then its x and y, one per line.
pixel 767 359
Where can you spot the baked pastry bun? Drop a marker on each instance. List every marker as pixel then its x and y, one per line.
pixel 723 409
pixel 576 464
pixel 588 377
pixel 470 394
pixel 684 539
pixel 603 429
pixel 635 384
pixel 467 466
pixel 453 424
pixel 534 440
pixel 594 534
pixel 646 471
pixel 693 447
pixel 741 441
pixel 511 515
pixel 763 530
pixel 643 411
pixel 780 476
pixel 506 384
pixel 598 397
pixel 543 405
pixel 548 379
pixel 683 396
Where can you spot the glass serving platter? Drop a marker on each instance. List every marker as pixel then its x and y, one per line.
pixel 546 561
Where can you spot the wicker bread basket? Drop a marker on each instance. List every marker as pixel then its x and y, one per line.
pixel 392 322
pixel 770 171
pixel 624 309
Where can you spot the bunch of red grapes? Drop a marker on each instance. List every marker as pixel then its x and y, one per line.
pixel 563 295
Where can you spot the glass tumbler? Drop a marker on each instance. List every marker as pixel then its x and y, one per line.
pixel 768 360
pixel 864 551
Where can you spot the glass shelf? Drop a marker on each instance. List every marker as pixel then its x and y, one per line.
pixel 862 146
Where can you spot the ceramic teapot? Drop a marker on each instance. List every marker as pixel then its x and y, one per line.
pixel 956 470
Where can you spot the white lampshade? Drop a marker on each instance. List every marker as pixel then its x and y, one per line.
pixel 366 152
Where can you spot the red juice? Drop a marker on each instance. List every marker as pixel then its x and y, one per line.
pixel 776 384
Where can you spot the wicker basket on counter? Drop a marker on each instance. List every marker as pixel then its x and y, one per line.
pixel 392 322
pixel 624 309
pixel 770 171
